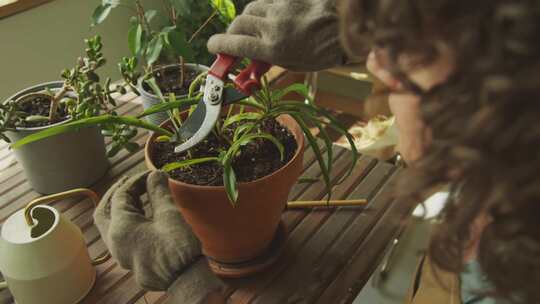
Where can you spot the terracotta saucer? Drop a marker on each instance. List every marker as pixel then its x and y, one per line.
pixel 256 265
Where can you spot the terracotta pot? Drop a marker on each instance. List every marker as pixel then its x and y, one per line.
pixel 238 234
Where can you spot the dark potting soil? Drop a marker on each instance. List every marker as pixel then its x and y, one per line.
pixel 257 159
pixel 168 80
pixel 40 105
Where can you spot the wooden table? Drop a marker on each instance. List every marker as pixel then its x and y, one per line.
pixel 328 258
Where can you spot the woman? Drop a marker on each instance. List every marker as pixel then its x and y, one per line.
pixel 473 67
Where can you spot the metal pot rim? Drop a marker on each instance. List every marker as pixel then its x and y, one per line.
pixel 140 86
pixel 36 89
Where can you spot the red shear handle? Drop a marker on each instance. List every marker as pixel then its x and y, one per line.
pixel 222 66
pixel 249 80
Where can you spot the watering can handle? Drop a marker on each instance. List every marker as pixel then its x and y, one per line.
pixel 55 197
pixel 59 196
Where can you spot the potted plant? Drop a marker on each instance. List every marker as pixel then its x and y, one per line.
pixel 168 52
pixel 71 159
pixel 233 187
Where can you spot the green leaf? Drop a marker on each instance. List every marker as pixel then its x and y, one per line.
pixel 225 8
pixel 317 151
pixel 242 129
pixel 135 35
pixel 129 133
pixel 100 13
pixel 150 14
pixel 181 104
pixel 196 83
pixel 229 181
pixel 246 139
pixel 155 88
pixel 133 20
pixel 167 29
pixel 229 178
pixel 131 147
pixel 188 162
pixel 251 103
pixel 113 3
pixel 107 133
pixel 154 49
pixel 37 118
pixel 339 127
pixel 163 138
pixel 113 149
pixel 90 122
pixel 299 88
pixel 180 44
pixel 242 116
pixel 327 141
pixel 315 114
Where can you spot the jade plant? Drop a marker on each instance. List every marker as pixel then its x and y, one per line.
pixel 243 126
pixel 182 38
pixel 81 96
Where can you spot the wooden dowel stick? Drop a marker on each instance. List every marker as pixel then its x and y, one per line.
pixel 325 203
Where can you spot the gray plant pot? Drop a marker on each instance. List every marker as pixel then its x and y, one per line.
pixel 62 162
pixel 149 99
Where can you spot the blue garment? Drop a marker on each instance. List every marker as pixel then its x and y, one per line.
pixel 473 284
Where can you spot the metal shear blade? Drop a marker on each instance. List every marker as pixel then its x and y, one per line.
pixel 200 123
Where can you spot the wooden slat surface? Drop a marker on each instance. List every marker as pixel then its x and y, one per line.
pixel 329 254
pixel 19 6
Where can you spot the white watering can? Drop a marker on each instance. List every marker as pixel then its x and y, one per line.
pixel 43 255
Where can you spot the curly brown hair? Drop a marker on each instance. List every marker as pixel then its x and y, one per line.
pixel 484 122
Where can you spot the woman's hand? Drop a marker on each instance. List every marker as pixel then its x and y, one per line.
pixel 299 35
pixel 414 135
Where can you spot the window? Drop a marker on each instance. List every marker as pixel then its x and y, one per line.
pixel 10 7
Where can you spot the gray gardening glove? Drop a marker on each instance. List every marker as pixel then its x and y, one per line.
pixel 300 35
pixel 162 251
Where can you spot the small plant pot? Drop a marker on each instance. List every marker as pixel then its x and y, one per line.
pixel 149 99
pixel 238 234
pixel 62 162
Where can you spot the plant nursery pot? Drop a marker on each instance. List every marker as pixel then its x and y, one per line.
pixel 237 234
pixel 70 160
pixel 149 99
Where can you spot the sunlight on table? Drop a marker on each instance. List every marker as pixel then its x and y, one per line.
pixel 6 2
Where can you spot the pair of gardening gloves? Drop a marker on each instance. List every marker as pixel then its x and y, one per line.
pixel 161 249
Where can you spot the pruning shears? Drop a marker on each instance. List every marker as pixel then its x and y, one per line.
pixel 216 94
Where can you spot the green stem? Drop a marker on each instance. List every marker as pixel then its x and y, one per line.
pixel 182 71
pixel 231 108
pixel 132 121
pixel 55 102
pixel 142 18
pixel 170 9
pixel 132 87
pixel 195 83
pixel 155 87
pixel 144 23
pixel 203 26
